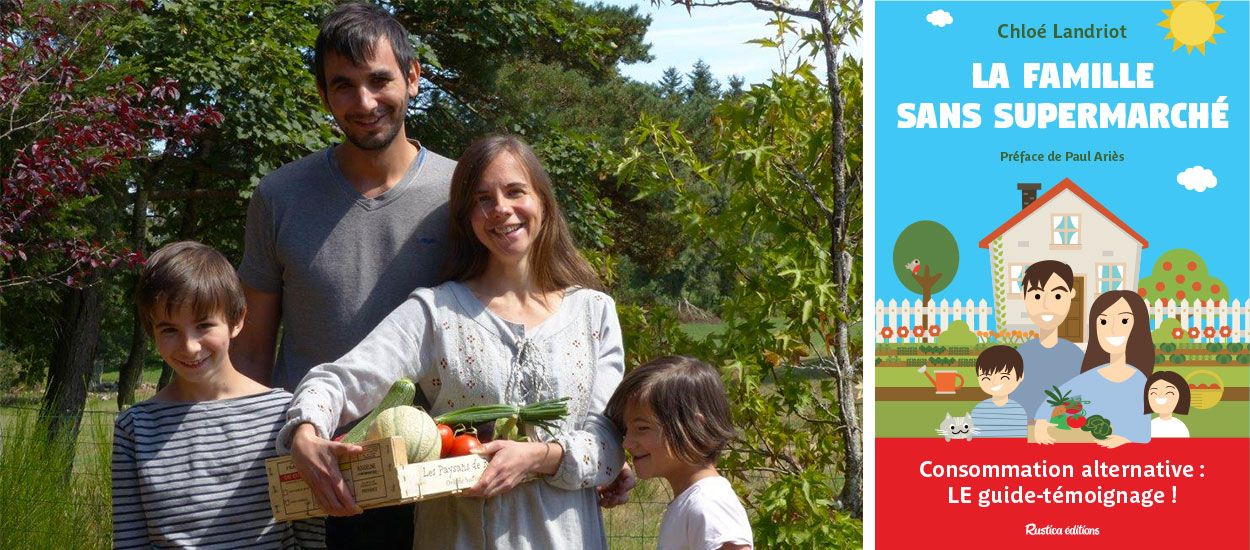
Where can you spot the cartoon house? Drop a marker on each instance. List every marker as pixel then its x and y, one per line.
pixel 1068 225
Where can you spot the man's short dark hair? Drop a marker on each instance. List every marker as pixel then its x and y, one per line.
pixel 351 31
pixel 1036 275
pixel 1000 359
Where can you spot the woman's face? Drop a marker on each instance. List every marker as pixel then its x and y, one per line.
pixel 507 213
pixel 1114 325
pixel 1163 397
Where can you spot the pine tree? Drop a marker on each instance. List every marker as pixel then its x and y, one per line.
pixel 670 83
pixel 702 82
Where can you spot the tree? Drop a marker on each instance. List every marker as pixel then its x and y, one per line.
pixel 671 83
pixel 925 259
pixel 702 83
pixel 786 221
pixel 1180 274
pixel 79 121
pixel 835 21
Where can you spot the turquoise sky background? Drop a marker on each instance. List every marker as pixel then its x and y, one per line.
pixel 954 176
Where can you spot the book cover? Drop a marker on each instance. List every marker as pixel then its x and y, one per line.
pixel 1062 349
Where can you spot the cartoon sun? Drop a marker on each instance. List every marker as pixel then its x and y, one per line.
pixel 1192 23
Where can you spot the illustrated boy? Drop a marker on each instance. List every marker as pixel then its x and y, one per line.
pixel 1000 370
pixel 1049 359
pixel 189 463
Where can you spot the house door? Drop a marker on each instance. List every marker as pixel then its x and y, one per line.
pixel 1073 327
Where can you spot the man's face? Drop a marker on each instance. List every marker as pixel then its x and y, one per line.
pixel 999 384
pixel 1048 306
pixel 369 100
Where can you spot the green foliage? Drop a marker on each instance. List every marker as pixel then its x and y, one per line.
pixel 39 507
pixel 1099 426
pixel 760 197
pixel 957 334
pixel 933 246
pixel 1183 275
pixel 1163 334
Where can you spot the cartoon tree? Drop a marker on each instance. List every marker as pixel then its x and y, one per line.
pixel 1180 274
pixel 925 258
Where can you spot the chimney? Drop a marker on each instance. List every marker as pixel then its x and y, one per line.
pixel 1028 193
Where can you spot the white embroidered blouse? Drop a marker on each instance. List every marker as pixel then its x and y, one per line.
pixel 461 354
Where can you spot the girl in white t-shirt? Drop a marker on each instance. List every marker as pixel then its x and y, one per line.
pixel 676 421
pixel 1167 394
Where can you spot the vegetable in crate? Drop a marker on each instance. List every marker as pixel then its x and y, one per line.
pixel 402 392
pixel 1068 412
pixel 1099 426
pixel 510 419
pixel 418 430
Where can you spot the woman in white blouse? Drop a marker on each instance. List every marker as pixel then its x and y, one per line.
pixel 517 321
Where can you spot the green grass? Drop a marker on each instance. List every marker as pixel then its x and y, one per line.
pixel 920 418
pixel 39 506
pixel 151 375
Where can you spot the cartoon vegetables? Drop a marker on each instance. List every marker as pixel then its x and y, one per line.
pixel 1098 426
pixel 1068 412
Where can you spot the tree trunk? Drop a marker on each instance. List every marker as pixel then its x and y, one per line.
pixel 78 332
pixel 853 462
pixel 132 371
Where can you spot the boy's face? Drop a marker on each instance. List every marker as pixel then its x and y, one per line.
pixel 999 384
pixel 644 439
pixel 194 346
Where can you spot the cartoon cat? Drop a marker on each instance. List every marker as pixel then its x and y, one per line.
pixel 957 427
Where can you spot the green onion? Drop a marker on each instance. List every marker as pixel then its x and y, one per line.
pixel 541 414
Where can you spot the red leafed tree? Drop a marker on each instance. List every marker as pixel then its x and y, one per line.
pixel 72 123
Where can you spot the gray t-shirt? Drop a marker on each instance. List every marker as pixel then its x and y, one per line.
pixel 1044 368
pixel 341 261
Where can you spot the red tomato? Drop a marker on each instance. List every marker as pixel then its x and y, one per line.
pixel 1076 422
pixel 447 435
pixel 464 444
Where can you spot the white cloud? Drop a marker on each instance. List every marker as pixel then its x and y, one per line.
pixel 1197 179
pixel 939 18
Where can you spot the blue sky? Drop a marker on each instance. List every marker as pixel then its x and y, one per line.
pixel 955 176
pixel 716 35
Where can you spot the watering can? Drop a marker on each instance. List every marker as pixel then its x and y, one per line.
pixel 945 382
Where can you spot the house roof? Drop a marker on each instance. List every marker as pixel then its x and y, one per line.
pixel 1065 185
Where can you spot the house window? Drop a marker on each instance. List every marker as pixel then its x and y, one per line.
pixel 1065 229
pixel 1015 279
pixel 1110 277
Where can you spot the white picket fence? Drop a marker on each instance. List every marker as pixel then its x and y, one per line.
pixel 908 316
pixel 1227 322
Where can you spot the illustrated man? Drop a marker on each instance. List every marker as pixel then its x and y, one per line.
pixel 337 239
pixel 1049 360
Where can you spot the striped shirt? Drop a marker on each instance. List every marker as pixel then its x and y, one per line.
pixel 192 475
pixel 992 420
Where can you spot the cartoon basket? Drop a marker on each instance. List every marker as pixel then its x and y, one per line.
pixel 1204 394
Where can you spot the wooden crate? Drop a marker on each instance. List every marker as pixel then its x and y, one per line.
pixel 379 476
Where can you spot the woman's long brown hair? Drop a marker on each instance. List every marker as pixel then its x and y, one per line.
pixel 1141 347
pixel 554 260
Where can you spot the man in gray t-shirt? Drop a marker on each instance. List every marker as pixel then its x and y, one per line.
pixel 336 240
pixel 1048 360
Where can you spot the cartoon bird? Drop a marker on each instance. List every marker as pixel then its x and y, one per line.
pixel 913 266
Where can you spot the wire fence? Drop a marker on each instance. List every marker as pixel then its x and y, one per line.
pixel 44 505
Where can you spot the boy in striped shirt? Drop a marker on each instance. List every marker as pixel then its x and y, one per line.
pixel 999 371
pixel 189 463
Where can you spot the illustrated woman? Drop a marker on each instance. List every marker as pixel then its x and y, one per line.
pixel 1113 375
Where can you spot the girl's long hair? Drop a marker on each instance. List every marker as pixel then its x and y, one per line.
pixel 554 260
pixel 1141 347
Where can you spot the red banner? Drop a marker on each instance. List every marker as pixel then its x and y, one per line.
pixel 1009 493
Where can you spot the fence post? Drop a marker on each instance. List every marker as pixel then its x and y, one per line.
pixel 879 314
